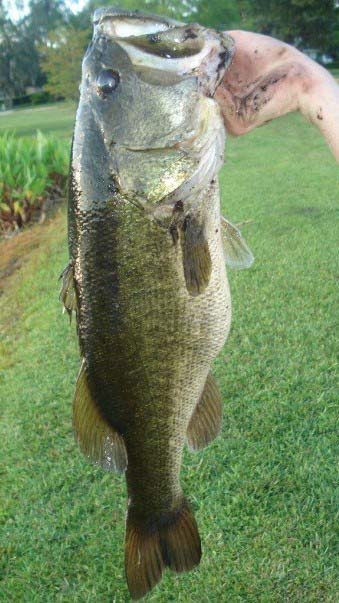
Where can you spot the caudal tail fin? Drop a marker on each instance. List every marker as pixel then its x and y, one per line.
pixel 171 541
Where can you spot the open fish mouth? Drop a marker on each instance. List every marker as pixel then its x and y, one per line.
pixel 165 44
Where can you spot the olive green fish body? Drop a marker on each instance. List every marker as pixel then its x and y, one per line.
pixel 147 343
pixel 147 274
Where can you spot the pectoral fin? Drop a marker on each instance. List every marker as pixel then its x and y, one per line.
pixel 98 440
pixel 206 420
pixel 237 253
pixel 67 293
pixel 196 256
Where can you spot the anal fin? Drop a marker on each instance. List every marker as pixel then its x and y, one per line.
pixel 98 440
pixel 205 423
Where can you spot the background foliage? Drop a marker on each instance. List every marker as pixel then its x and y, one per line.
pixel 31 170
pixel 305 23
pixel 61 60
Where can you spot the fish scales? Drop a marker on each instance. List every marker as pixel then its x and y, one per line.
pixel 147 274
pixel 148 344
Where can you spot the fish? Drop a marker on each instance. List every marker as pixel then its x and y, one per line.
pixel 146 277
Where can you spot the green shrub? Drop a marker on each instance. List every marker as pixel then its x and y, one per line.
pixel 31 170
pixel 21 101
pixel 40 98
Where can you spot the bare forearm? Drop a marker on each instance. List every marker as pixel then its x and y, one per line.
pixel 268 78
pixel 319 103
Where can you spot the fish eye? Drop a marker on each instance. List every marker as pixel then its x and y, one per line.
pixel 107 81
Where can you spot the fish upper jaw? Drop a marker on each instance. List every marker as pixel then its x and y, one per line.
pixel 125 23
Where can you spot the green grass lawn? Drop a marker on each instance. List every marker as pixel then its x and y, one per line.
pixel 264 492
pixel 55 119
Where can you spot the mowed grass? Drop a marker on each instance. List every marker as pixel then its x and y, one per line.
pixel 265 492
pixel 57 118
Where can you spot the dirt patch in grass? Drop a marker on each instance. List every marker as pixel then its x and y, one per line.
pixel 16 250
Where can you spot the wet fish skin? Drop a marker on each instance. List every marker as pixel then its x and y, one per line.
pixel 148 333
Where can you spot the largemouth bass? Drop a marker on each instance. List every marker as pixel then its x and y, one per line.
pixel 147 275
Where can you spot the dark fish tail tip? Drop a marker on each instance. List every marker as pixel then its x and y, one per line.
pixel 172 540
